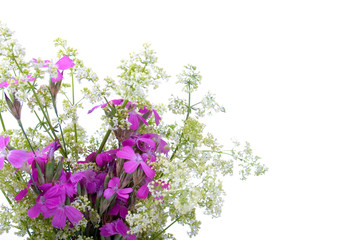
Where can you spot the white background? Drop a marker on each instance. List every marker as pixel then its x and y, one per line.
pixel 287 72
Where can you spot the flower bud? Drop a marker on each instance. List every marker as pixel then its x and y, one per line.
pixel 14 106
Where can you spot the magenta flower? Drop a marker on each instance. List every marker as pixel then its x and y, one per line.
pixel 64 212
pixel 135 160
pixel 64 63
pixel 134 119
pixel 156 115
pixel 113 187
pixel 114 102
pixel 4 84
pixel 15 157
pixel 116 227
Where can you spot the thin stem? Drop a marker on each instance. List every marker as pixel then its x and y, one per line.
pixel 27 139
pixel 157 235
pixel 11 205
pixel 102 145
pixel 57 115
pixel 2 122
pixel 182 133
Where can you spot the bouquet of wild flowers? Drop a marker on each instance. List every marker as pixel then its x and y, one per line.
pixel 134 178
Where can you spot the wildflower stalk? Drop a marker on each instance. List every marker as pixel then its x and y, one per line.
pixel 102 145
pixel 47 119
pixel 186 118
pixel 40 105
pixel 2 122
pixel 57 115
pixel 157 235
pixel 27 139
pixel 73 103
pixel 11 205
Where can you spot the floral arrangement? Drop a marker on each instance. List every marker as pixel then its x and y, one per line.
pixel 132 179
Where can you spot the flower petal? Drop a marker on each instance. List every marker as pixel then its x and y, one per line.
pixel 59 219
pixel 21 194
pixel 148 171
pixel 4 142
pixel 64 63
pixel 2 162
pixel 34 211
pixel 126 153
pixel 108 193
pixel 143 191
pixel 130 166
pixel 73 214
pixel 114 182
pixel 17 157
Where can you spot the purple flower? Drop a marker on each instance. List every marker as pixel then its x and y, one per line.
pixel 15 157
pixel 114 102
pixel 113 187
pixel 134 118
pixel 64 212
pixel 135 160
pixel 64 63
pixel 156 115
pixel 116 227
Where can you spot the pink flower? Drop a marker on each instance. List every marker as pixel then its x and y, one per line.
pixel 113 187
pixel 15 157
pixel 116 227
pixel 64 63
pixel 135 160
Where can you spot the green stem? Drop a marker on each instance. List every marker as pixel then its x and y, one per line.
pixel 102 145
pixel 10 203
pixel 27 139
pixel 157 235
pixel 2 122
pixel 182 133
pixel 47 118
pixel 57 115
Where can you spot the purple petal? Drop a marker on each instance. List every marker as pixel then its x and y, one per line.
pixel 91 110
pixel 73 214
pixel 130 166
pixel 2 162
pixel 21 194
pixel 100 158
pixel 4 142
pixel 142 119
pixel 77 177
pixel 117 101
pixel 58 78
pixel 59 219
pixel 115 210
pixel 123 212
pixel 143 191
pixel 134 121
pixel 108 193
pixel 148 171
pixel 34 211
pixel 124 193
pixel 129 142
pixel 121 227
pixel 157 117
pixel 149 144
pixel 17 157
pixel 114 182
pixel 126 153
pixel 108 229
pixel 65 63
pixel 4 84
